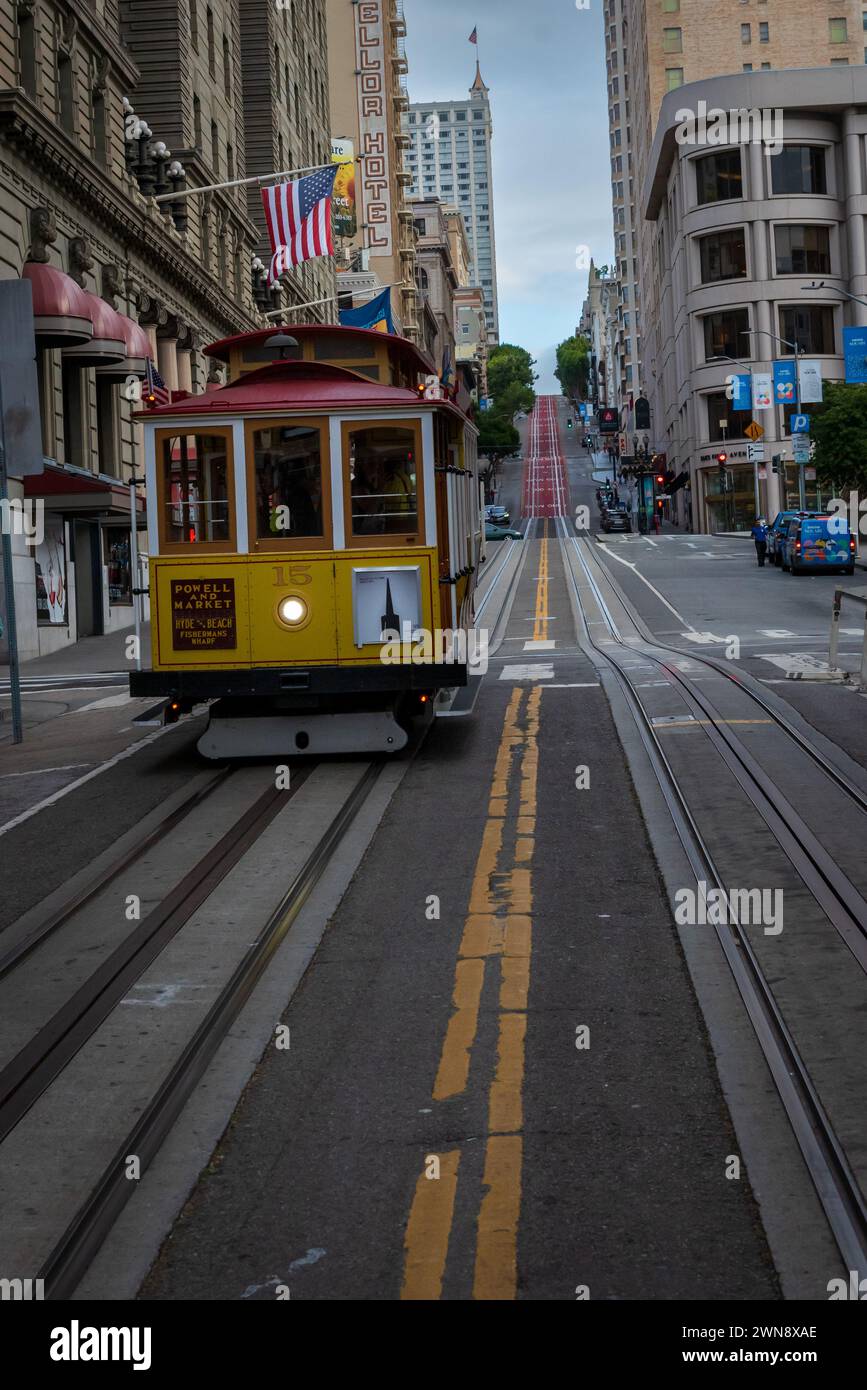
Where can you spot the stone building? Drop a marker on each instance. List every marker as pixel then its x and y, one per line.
pixel 104 105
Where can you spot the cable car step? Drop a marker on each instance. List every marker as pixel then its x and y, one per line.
pixel 265 736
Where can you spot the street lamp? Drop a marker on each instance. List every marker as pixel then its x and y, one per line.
pixel 835 289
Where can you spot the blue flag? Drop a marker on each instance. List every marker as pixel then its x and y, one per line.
pixel 375 314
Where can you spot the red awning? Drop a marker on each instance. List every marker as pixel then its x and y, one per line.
pixel 137 346
pixel 107 347
pixel 61 311
pixel 77 491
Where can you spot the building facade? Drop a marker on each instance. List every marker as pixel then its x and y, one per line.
pixel 656 46
pixel 450 158
pixel 104 107
pixel 739 231
pixel 437 279
pixel 368 101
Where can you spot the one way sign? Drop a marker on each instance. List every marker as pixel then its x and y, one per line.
pixel 756 453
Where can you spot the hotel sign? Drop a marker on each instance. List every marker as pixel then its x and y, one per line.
pixel 374 94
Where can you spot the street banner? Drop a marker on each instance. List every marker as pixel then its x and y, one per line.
pixel 811 382
pixel 742 392
pixel 376 314
pixel 855 352
pixel 784 383
pixel 343 218
pixel 763 391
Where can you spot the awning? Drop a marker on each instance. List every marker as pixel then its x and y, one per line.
pixel 107 347
pixel 61 311
pixel 138 350
pixel 75 491
pixel 680 481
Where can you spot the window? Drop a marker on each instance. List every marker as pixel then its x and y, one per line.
pixel 27 51
pixel 799 169
pixel 215 147
pixel 719 176
pixel 673 78
pixel 383 482
pixel 803 250
pixel 838 31
pixel 723 256
pixel 211 58
pixel 193 490
pixel 723 333
pixel 227 70
pixel 764 34
pixel 672 40
pixel 746 33
pixel 117 562
pixel 106 428
pixel 670 6
pixel 720 408
pixel 194 23
pixel 811 326
pixel 291 493
pixel 67 97
pixel 478 115
pixel 73 416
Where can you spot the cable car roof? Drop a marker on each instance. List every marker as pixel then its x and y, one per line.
pixel 413 358
pixel 296 385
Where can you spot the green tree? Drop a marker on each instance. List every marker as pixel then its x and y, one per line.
pixel 839 428
pixel 511 379
pixel 498 440
pixel 573 366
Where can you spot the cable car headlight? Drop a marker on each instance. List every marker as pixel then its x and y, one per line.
pixel 292 611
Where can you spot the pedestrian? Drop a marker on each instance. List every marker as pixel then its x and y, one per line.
pixel 759 534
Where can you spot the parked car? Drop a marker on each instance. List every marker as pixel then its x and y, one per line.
pixel 500 516
pixel 502 533
pixel 616 519
pixel 818 543
pixel 777 533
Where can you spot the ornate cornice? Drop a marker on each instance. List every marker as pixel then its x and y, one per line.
pixel 45 147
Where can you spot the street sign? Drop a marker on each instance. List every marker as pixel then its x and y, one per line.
pixel 763 475
pixel 754 431
pixel 800 424
pixel 801 449
pixel 756 453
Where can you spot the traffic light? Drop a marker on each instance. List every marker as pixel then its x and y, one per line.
pixel 660 504
pixel 777 463
pixel 721 459
pixel 568 422
pixel 660 480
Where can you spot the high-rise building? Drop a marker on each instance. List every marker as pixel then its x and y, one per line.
pixel 450 158
pixel 367 82
pixel 654 48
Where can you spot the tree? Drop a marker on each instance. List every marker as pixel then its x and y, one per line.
pixel 839 428
pixel 510 379
pixel 573 366
pixel 498 440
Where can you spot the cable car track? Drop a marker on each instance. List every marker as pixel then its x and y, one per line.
pixel 832 1176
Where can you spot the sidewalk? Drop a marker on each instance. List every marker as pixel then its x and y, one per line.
pixel 88 656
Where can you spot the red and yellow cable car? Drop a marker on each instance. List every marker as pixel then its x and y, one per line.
pixel 314 531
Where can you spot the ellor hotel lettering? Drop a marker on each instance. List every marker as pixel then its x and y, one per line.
pixel 203 614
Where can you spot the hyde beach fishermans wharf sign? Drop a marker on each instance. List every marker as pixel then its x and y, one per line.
pixel 203 614
pixel 373 84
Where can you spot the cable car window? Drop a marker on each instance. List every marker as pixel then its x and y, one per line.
pixel 194 492
pixel 287 466
pixel 383 481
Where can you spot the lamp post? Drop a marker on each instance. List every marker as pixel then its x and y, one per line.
pixel 798 351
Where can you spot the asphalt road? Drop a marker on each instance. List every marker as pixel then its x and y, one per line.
pixel 443 1125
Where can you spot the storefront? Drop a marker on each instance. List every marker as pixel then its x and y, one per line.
pixel 81 567
pixel 727 492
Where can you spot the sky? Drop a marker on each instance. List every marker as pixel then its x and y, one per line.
pixel 544 63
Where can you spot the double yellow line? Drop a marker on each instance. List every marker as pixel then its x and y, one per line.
pixel 497 929
pixel 540 626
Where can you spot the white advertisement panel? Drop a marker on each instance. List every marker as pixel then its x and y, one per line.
pixel 384 600
pixel 811 382
pixel 763 390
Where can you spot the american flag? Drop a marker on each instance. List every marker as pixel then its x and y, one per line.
pixel 298 215
pixel 474 36
pixel 155 392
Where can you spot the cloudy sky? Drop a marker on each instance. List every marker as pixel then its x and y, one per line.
pixel 545 65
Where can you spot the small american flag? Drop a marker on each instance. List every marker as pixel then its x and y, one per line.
pixel 155 392
pixel 474 36
pixel 298 215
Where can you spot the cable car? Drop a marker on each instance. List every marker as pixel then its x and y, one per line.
pixel 314 533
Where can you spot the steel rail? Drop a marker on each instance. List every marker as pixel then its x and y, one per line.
pixel 32 1070
pixel 12 958
pixel 65 1266
pixel 835 1182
